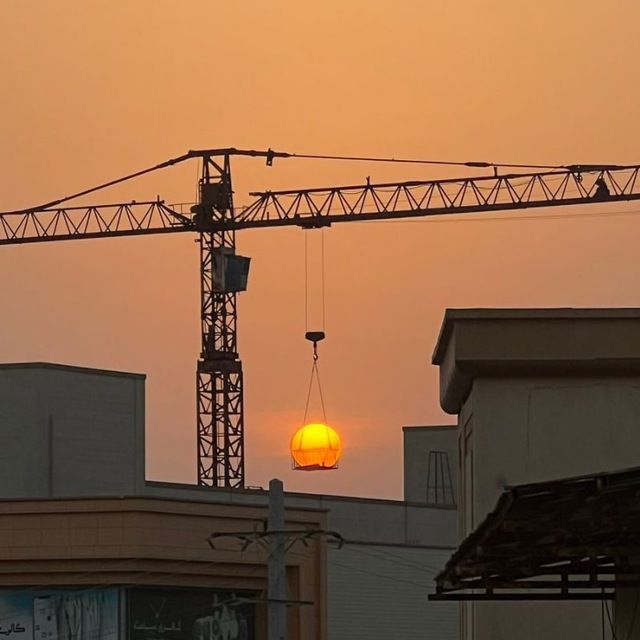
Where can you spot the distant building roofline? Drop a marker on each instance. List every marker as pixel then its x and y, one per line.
pixel 429 427
pixel 179 486
pixel 513 343
pixel 452 315
pixel 71 368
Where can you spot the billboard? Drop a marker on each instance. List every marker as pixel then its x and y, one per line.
pixel 93 613
pixel 59 614
pixel 189 614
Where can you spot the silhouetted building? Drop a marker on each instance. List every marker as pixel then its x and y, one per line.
pixel 92 550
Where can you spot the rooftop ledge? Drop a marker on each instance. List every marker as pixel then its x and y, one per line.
pixel 533 342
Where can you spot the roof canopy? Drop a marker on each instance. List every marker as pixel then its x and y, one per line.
pixel 577 538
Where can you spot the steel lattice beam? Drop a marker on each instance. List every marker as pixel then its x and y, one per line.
pixel 320 207
pixel 324 206
pixel 96 221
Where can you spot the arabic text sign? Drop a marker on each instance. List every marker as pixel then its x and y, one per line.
pixel 189 614
pixel 59 614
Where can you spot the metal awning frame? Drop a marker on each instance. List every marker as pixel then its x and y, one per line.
pixel 573 539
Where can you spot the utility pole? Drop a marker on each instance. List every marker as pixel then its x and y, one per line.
pixel 277 575
pixel 278 540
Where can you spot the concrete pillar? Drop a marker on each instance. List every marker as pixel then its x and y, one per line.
pixel 626 614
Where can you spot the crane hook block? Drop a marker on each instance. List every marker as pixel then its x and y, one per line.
pixel 314 336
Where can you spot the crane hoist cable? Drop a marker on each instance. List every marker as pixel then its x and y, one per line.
pixel 306 281
pixel 314 336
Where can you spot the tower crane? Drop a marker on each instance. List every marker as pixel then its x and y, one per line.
pixel 215 220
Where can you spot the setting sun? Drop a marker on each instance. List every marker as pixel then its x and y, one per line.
pixel 316 447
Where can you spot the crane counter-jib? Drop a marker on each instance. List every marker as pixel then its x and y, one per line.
pixel 94 221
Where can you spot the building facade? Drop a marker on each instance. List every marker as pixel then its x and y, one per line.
pixel 540 395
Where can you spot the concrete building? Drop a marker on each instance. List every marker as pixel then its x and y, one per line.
pixel 540 395
pixel 431 465
pixel 70 432
pixel 77 518
pixel 78 522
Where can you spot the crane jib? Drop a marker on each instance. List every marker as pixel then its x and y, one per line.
pixel 321 207
pixel 316 221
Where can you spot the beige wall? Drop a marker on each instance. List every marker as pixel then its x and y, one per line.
pixel 70 431
pixel 520 430
pixel 541 394
pixel 157 542
pixel 538 429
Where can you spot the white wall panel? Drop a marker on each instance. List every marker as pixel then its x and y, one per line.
pixel 380 593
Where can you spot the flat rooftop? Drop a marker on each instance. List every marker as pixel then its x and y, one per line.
pixel 53 366
pixel 537 342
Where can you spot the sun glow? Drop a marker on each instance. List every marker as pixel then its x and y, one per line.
pixel 316 447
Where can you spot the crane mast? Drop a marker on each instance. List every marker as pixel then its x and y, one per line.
pixel 219 384
pixel 215 220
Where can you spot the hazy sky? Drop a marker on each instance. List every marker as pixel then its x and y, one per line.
pixel 95 89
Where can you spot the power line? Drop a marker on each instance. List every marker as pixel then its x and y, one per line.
pixel 369 573
pixel 506 218
pixel 384 554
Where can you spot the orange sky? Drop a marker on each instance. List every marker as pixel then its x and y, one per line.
pixel 92 90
